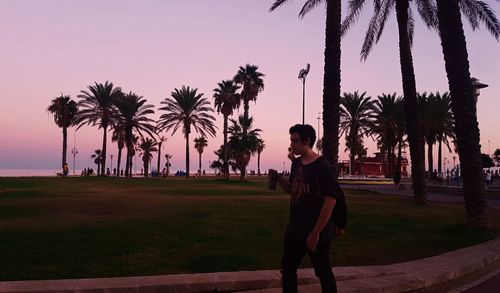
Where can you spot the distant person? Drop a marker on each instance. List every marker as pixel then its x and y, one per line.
pixel 108 172
pixel 487 178
pixel 434 178
pixel 114 171
pixel 121 172
pixel 397 179
pixel 315 194
pixel 65 169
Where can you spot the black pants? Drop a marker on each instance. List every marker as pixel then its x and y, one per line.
pixel 293 252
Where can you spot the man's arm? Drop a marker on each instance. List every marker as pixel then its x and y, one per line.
pixel 285 184
pixel 326 185
pixel 324 217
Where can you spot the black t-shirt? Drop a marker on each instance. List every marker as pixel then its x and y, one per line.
pixel 310 183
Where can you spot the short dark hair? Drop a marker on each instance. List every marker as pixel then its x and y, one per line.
pixel 305 131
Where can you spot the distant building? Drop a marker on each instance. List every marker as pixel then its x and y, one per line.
pixel 377 166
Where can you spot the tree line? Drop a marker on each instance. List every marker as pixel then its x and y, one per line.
pixel 128 117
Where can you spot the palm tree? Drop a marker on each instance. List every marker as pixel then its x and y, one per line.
pixel 133 114
pixel 186 108
pixel 426 110
pixel 355 119
pixel 96 107
pixel 252 84
pixel 119 136
pixel 445 125
pixel 463 97
pixel 243 145
pixel 147 148
pixel 219 163
pixel 404 15
pixel 160 140
pixel 65 111
pixel 131 150
pixel 97 156
pixel 388 128
pixel 226 100
pixel 260 148
pixel 199 144
pixel 167 164
pixel 331 78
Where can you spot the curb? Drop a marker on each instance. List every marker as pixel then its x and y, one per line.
pixel 397 277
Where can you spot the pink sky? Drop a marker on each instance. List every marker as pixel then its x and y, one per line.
pixel 150 47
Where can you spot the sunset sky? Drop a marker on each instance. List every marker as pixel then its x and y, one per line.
pixel 150 47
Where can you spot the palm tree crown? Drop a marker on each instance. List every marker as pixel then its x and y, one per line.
pixel 97 108
pixel 147 146
pixel 133 116
pixel 65 112
pixel 381 12
pixel 226 98
pixel 355 117
pixel 187 109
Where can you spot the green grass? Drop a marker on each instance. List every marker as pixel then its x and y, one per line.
pixel 54 228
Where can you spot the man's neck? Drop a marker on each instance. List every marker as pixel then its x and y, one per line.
pixel 309 156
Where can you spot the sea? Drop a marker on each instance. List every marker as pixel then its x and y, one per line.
pixel 32 172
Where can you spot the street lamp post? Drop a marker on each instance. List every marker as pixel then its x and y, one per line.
pixel 111 156
pixel 302 76
pixel 74 151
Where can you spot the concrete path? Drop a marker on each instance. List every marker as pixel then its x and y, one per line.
pixel 432 196
pixel 413 275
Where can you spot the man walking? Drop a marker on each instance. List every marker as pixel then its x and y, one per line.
pixel 314 193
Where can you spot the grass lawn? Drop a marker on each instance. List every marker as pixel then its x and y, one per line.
pixel 53 228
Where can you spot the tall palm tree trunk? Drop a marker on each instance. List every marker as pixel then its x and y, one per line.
pixel 245 132
pixel 146 168
pixel 410 102
pixel 331 84
pixel 258 163
pixel 351 163
pixel 226 150
pixel 464 110
pixel 187 154
pixel 104 143
pixel 440 156
pixel 118 162
pixel 246 110
pixel 430 158
pixel 127 162
pixel 397 171
pixel 159 159
pixel 131 164
pixel 390 163
pixel 199 162
pixel 65 146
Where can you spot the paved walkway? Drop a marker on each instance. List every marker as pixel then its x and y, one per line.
pixel 412 275
pixel 432 196
pixel 490 285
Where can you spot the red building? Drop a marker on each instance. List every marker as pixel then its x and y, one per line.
pixel 376 166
